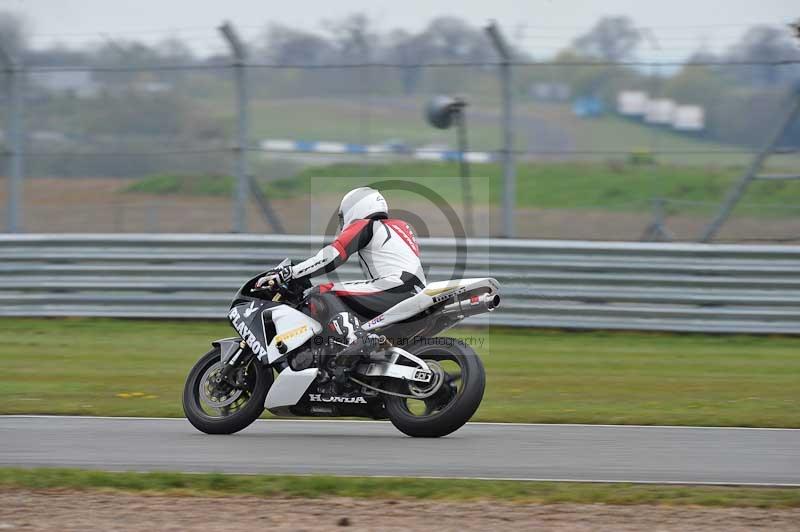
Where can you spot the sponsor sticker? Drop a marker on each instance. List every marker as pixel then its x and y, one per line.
pixel 246 334
pixel 249 310
pixel 374 321
pixel 297 331
pixel 444 296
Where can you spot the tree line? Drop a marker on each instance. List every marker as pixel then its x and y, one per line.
pixel 738 99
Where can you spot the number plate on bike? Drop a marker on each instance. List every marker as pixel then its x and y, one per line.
pixel 422 376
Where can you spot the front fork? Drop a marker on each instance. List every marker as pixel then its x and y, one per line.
pixel 234 355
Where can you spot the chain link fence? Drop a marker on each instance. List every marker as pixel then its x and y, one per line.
pixel 150 149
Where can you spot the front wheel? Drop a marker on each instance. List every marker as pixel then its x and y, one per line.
pixel 463 381
pixel 215 407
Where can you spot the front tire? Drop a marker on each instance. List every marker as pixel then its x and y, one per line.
pixel 453 405
pixel 209 410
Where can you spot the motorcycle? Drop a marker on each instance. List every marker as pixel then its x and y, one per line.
pixel 282 360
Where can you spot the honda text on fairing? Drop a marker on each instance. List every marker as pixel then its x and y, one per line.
pixel 281 361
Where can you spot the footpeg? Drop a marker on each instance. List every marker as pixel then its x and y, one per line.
pixel 340 375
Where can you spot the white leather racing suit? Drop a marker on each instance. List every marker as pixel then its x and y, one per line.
pixel 388 253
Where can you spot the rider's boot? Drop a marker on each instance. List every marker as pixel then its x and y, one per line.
pixel 356 343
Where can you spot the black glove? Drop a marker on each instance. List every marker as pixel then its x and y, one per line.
pixel 277 276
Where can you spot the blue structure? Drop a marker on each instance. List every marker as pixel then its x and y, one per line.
pixel 588 106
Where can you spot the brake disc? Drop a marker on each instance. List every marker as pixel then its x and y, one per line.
pixel 209 384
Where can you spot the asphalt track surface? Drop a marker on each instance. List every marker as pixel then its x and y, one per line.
pixel 364 448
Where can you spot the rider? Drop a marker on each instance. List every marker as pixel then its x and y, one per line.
pixel 388 253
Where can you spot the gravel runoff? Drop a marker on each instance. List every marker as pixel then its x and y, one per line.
pixel 69 510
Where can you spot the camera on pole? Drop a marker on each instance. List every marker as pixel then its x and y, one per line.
pixel 442 112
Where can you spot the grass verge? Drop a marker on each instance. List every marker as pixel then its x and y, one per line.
pixel 117 367
pixel 217 484
pixel 605 186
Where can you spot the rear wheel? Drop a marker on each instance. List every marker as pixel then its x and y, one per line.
pixel 463 380
pixel 216 407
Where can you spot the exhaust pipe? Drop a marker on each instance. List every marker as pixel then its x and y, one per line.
pixel 473 305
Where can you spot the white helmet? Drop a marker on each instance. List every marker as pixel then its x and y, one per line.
pixel 363 202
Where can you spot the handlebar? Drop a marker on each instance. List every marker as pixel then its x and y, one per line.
pixel 271 285
pixel 292 289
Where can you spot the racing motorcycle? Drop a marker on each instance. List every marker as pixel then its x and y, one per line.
pixel 282 360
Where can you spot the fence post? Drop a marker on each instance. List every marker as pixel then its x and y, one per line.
pixel 740 187
pixel 15 139
pixel 242 129
pixel 509 169
pixel 463 164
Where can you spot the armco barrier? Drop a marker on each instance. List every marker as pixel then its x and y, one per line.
pixel 560 284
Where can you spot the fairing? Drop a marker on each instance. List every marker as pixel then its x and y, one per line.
pixel 270 329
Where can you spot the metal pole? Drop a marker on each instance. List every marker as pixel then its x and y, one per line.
pixel 15 140
pixel 509 168
pixel 366 89
pixel 657 230
pixel 738 190
pixel 463 163
pixel 242 129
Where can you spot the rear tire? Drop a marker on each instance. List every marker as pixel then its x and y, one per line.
pixel 259 383
pixel 460 407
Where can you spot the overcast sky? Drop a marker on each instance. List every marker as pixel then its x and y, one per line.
pixel 540 26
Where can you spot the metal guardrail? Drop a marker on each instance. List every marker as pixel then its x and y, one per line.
pixel 560 284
